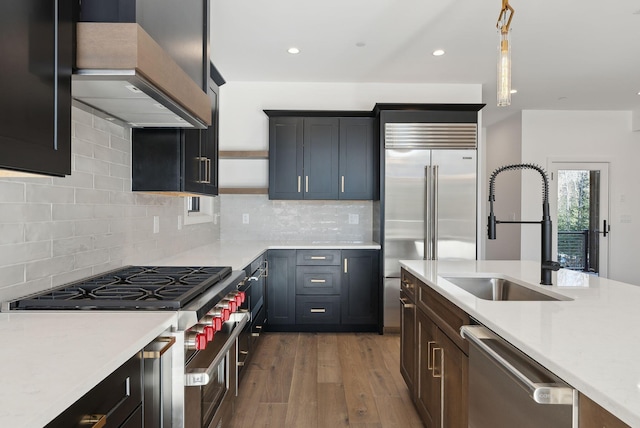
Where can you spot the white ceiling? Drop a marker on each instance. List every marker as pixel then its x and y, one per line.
pixel 567 54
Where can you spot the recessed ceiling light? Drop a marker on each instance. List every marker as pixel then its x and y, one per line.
pixel 438 52
pixel 514 91
pixel 638 93
pixel 361 44
pixel 293 51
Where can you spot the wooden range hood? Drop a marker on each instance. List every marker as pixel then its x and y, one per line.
pixel 123 72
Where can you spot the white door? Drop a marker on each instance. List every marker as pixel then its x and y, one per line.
pixel 579 203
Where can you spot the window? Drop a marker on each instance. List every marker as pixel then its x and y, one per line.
pixel 198 209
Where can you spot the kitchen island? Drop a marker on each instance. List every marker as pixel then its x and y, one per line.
pixel 591 342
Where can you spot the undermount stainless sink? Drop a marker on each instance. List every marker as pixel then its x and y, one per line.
pixel 500 289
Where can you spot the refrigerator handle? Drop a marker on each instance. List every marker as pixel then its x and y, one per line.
pixel 427 212
pixel 434 216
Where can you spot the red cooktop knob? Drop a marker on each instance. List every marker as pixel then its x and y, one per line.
pixel 201 341
pixel 242 295
pixel 217 323
pixel 233 306
pixel 226 314
pixel 209 332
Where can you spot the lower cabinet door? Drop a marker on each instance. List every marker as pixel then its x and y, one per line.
pixel 454 370
pixel 317 309
pixel 281 287
pixel 428 376
pixel 360 284
pixel 408 341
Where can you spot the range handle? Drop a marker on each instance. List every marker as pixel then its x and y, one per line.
pixel 541 393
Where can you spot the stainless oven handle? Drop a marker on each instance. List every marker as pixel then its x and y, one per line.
pixel 202 376
pixel 542 393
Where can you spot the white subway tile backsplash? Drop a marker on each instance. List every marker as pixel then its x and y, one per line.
pixel 92 258
pixel 76 244
pixel 91 165
pixel 48 230
pixel 39 193
pixel 119 171
pixel 21 213
pixel 70 276
pixel 108 183
pixel 11 233
pixel 91 196
pixel 121 144
pixel 109 155
pixel 82 147
pixel 21 253
pixel 10 275
pixel 76 179
pixel 12 191
pixel 71 211
pixel 91 227
pixel 47 267
pixel 89 133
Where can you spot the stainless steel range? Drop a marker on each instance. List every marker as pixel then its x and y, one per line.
pixel 214 306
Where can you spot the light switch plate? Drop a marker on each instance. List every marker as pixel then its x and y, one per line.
pixel 354 219
pixel 245 218
pixel 156 224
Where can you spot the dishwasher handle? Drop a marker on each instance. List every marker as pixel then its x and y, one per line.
pixel 542 393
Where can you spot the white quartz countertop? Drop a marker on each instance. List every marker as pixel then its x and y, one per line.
pixel 51 359
pixel 592 342
pixel 239 254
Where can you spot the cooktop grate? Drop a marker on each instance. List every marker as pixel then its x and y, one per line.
pixel 131 287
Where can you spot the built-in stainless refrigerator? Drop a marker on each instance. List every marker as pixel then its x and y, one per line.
pixel 429 200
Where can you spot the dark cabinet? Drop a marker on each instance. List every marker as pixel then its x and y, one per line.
pixel 408 331
pixel 321 158
pixel 323 290
pixel 281 287
pixel 177 160
pixel 360 286
pixel 357 163
pixel 36 44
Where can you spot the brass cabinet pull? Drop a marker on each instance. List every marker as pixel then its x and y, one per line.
pixel 318 281
pixel 346 265
pixel 318 258
pixel 318 310
pixel 342 185
pixel 437 370
pixel 299 189
pixel 244 352
pixel 94 421
pixel 406 303
pixel 306 183
pixel 153 354
pixel 429 354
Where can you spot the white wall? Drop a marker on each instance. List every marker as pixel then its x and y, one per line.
pixel 503 146
pixel 244 125
pixel 57 230
pixel 587 136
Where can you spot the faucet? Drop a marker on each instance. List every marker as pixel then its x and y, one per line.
pixel 546 264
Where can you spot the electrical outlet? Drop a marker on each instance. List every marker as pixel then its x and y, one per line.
pixel 156 224
pixel 354 219
pixel 245 218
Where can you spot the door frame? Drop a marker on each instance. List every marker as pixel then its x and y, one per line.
pixel 604 166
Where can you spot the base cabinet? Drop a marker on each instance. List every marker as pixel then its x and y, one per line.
pixel 591 415
pixel 439 382
pixel 323 290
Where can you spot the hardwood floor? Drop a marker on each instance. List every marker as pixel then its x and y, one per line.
pixel 318 380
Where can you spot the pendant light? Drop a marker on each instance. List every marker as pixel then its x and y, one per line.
pixel 504 54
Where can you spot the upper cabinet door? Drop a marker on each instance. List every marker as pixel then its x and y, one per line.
pixel 285 158
pixel 36 47
pixel 321 149
pixel 356 158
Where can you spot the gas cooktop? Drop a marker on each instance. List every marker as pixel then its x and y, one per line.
pixel 131 287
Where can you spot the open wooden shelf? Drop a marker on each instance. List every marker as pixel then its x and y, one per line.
pixel 244 154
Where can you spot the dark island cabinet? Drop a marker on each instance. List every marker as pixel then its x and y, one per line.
pixel 36 46
pixel 321 158
pixel 177 161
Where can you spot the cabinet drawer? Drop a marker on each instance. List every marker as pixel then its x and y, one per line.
pixel 408 284
pixel 318 257
pixel 447 316
pixel 317 309
pixel 318 280
pixel 117 396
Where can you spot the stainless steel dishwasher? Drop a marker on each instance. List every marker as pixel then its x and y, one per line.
pixel 508 389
